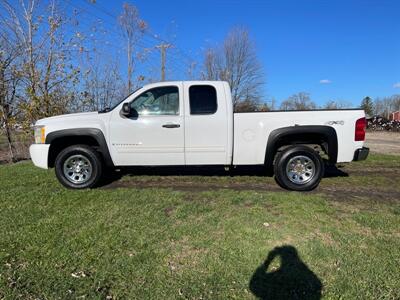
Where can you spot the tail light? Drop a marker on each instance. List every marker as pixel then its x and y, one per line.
pixel 360 130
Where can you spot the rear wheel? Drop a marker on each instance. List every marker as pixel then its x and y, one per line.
pixel 78 167
pixel 298 168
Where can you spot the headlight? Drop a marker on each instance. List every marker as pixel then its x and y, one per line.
pixel 40 134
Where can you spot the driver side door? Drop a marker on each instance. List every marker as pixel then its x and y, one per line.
pixel 154 135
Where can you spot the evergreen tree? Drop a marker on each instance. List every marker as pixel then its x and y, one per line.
pixel 368 106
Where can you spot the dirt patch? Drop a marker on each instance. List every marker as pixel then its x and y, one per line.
pixel 383 142
pixel 190 187
pixel 336 193
pixel 195 181
pixel 350 193
pixel 365 171
pixel 183 255
pixel 168 211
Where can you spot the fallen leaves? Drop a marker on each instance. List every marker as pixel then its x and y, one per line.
pixel 79 274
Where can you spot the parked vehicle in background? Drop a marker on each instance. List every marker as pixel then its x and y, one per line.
pixel 192 123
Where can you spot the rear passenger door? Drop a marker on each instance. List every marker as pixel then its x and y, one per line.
pixel 206 136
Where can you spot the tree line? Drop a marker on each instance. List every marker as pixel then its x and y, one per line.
pixel 381 106
pixel 52 62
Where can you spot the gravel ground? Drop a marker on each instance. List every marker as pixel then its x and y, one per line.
pixel 384 142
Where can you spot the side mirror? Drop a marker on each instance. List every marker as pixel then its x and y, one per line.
pixel 126 110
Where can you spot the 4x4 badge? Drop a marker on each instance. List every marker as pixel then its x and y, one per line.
pixel 335 123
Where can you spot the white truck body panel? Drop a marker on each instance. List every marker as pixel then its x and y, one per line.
pixel 78 120
pixel 253 129
pixel 223 138
pixel 70 121
pixel 39 154
pixel 143 141
pixel 208 138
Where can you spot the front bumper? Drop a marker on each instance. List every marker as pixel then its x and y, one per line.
pixel 39 154
pixel 361 154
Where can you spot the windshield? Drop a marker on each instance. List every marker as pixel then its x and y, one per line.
pixel 108 109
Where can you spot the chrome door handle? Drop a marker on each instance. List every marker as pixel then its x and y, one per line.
pixel 171 126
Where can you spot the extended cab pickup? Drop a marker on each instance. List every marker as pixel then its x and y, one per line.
pixel 193 123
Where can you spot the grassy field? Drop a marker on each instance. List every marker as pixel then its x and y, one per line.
pixel 201 237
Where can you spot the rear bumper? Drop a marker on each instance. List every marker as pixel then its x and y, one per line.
pixel 361 154
pixel 39 154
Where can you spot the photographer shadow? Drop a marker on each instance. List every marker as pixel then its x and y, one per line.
pixel 292 280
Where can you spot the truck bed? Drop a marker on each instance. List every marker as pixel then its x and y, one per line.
pixel 252 129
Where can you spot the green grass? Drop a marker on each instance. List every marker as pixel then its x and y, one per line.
pixel 161 243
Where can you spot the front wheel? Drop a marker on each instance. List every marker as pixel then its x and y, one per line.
pixel 298 168
pixel 78 167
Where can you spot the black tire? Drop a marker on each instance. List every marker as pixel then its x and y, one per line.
pixel 310 179
pixel 86 153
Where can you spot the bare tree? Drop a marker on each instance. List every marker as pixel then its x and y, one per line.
pixel 396 102
pixel 192 71
pixel 332 104
pixel 386 105
pixel 299 101
pixel 102 86
pixel 46 59
pixel 10 77
pixel 247 106
pixel 236 62
pixel 212 64
pixel 251 106
pixel 133 28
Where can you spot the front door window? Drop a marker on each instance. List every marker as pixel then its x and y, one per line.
pixel 157 101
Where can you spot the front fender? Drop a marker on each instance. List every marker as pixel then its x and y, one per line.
pixel 95 133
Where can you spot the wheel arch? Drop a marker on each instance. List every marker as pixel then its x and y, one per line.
pixel 309 134
pixel 61 139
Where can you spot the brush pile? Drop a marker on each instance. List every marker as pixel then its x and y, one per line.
pixel 377 123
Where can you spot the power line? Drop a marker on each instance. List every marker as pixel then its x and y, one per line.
pixel 137 44
pixel 147 43
pixel 148 33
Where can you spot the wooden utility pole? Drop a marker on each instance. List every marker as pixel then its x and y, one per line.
pixel 163 48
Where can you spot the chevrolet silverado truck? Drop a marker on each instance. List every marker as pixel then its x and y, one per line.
pixel 188 123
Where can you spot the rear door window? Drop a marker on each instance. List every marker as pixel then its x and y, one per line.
pixel 203 100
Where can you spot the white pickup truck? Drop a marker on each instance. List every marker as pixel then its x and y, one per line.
pixel 193 123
